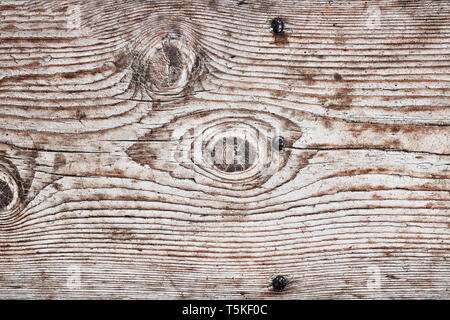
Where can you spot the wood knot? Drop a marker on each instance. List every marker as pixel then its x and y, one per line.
pixel 235 151
pixel 6 195
pixel 169 64
pixel 230 150
pixel 233 154
pixel 164 67
pixel 9 191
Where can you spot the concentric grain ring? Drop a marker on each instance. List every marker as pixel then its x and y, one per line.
pixel 228 151
pixel 233 151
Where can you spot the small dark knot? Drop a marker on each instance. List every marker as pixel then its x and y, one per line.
pixel 279 283
pixel 277 26
pixel 278 143
pixel 9 190
pixel 6 194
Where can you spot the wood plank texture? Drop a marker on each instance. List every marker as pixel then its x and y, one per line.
pixel 140 155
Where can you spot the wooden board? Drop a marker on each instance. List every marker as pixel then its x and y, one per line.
pixel 139 155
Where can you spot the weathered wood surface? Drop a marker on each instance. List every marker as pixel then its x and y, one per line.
pixel 111 114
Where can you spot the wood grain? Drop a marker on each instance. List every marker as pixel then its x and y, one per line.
pixel 137 156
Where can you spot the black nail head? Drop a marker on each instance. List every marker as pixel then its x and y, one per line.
pixel 277 26
pixel 279 283
pixel 278 143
